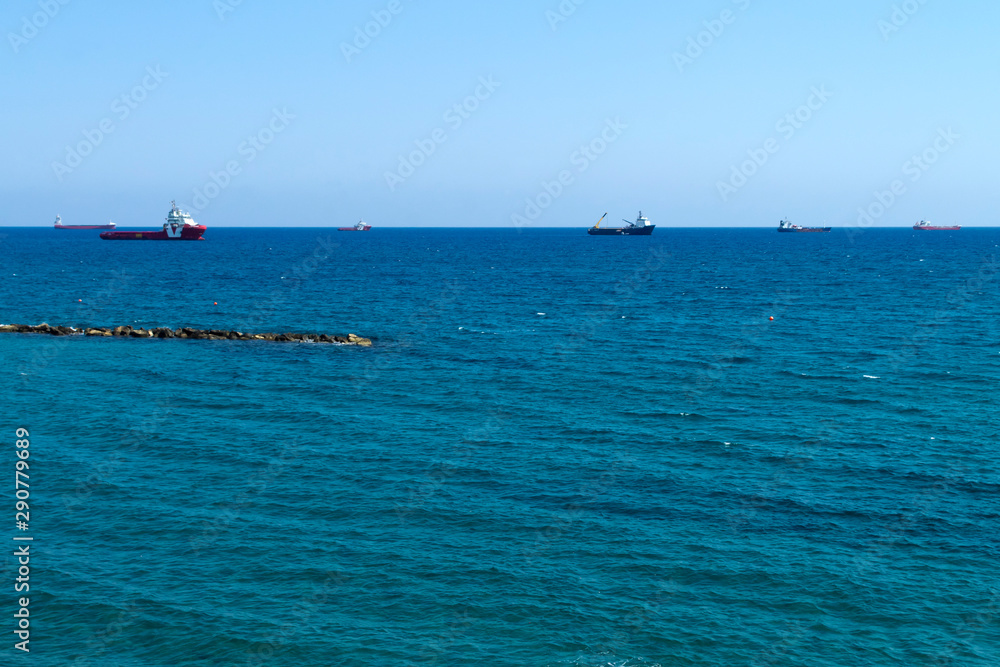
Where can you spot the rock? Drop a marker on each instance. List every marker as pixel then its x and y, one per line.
pixel 185 332
pixel 358 340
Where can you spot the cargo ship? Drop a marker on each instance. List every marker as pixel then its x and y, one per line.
pixel 786 226
pixel 360 227
pixel 641 227
pixel 178 227
pixel 923 224
pixel 60 225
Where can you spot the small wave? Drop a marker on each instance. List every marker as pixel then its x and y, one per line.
pixel 667 415
pixel 873 377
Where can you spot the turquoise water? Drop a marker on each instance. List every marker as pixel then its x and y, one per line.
pixel 561 450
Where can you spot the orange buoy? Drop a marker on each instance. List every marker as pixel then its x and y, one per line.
pixel 772 318
pixel 216 303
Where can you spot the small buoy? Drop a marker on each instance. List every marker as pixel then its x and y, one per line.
pixel 80 300
pixel 772 318
pixel 216 303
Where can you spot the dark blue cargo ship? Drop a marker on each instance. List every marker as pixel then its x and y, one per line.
pixel 641 227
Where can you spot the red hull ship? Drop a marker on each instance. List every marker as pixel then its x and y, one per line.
pixel 178 227
pixel 360 227
pixel 924 225
pixel 60 225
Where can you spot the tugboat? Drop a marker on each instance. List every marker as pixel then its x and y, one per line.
pixel 178 227
pixel 641 227
pixel 360 227
pixel 786 226
pixel 924 225
pixel 60 225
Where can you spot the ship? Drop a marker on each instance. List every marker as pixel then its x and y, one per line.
pixel 178 227
pixel 924 225
pixel 60 225
pixel 641 227
pixel 360 227
pixel 786 226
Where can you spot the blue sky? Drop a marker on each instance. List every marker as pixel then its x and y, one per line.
pixel 279 114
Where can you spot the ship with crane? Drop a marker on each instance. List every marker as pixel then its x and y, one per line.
pixel 641 227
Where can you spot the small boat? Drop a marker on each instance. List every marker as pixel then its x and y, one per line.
pixel 786 226
pixel 641 227
pixel 60 225
pixel 178 227
pixel 924 225
pixel 360 227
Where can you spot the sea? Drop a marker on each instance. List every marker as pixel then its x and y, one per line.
pixel 702 447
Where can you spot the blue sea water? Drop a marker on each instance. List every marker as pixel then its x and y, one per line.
pixel 561 450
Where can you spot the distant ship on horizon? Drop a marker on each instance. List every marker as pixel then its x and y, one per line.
pixel 641 227
pixel 60 225
pixel 786 226
pixel 924 225
pixel 360 227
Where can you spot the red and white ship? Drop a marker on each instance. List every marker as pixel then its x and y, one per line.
pixel 178 227
pixel 923 224
pixel 60 225
pixel 360 227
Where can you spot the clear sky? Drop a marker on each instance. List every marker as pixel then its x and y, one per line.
pixel 287 114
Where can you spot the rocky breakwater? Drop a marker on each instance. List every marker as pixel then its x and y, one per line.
pixel 185 333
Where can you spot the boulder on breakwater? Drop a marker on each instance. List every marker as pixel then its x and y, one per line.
pixel 185 332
